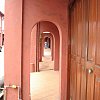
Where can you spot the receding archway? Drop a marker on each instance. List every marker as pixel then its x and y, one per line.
pixel 51 44
pixel 46 51
pixel 36 38
pixel 39 36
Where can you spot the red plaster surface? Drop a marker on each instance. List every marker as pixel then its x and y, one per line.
pixel 13 46
pixel 33 49
pixel 17 40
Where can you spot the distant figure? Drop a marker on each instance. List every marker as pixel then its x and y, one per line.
pixel 0 48
pixel 46 45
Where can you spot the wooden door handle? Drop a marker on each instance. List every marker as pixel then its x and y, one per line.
pixel 90 71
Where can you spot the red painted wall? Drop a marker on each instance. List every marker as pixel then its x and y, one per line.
pixel 22 17
pixel 13 46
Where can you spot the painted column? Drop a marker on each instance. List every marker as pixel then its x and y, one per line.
pixel 40 52
pixel 37 47
pixel 13 48
pixel 40 47
pixel 43 40
pixel 33 49
pixel 52 47
pixel 56 52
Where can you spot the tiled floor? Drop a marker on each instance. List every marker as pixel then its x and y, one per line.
pixel 46 63
pixel 44 85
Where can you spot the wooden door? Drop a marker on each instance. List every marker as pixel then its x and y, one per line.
pixel 96 71
pixel 73 55
pixel 76 37
pixel 85 50
pixel 91 47
pixel 84 31
pixel 79 48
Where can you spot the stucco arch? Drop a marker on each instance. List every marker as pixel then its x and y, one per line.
pixel 48 27
pixel 51 21
pixel 52 38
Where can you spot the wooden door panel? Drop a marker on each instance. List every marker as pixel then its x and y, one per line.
pixel 79 28
pixel 73 70
pixel 97 90
pixel 91 47
pixel 76 50
pixel 90 85
pixel 73 80
pixel 72 32
pixel 75 33
pixel 83 84
pixel 72 53
pixel 97 83
pixel 79 48
pixel 91 30
pixel 83 55
pixel 85 50
pixel 78 85
pixel 84 29
pixel 97 58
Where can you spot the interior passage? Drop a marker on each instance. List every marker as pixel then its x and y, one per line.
pixel 47 63
pixel 44 85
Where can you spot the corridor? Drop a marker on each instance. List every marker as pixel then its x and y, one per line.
pixel 44 85
pixel 47 64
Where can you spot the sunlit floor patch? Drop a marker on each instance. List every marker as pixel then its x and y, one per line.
pixel 44 85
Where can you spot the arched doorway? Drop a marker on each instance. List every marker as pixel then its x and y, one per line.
pixel 37 43
pixel 46 53
pixel 41 38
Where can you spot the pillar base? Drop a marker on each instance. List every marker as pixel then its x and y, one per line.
pixel 32 67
